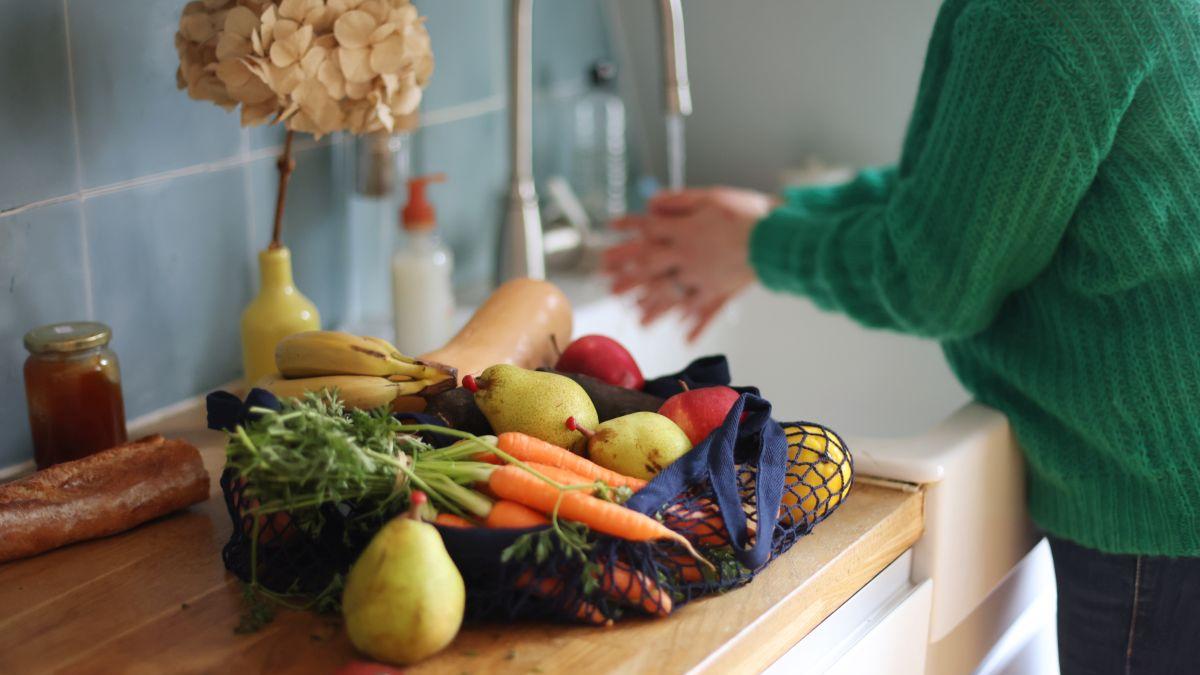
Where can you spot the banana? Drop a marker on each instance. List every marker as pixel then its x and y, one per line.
pixel 323 353
pixel 356 391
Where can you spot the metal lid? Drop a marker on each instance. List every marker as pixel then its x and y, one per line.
pixel 72 336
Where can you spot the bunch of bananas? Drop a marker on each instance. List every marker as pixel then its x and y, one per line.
pixel 368 372
pixel 819 473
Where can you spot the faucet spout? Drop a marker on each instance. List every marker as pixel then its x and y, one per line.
pixel 677 90
pixel 522 250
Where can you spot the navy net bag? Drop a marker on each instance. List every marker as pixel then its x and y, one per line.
pixel 742 497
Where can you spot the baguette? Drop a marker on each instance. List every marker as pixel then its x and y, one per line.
pixel 108 492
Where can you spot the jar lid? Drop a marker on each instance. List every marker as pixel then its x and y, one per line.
pixel 72 336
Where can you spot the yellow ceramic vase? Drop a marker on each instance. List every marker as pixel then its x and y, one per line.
pixel 278 311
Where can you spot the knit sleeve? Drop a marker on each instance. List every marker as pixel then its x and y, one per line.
pixel 977 214
pixel 870 186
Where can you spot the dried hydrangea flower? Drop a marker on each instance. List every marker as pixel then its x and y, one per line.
pixel 317 65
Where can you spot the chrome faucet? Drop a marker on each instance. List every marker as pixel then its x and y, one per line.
pixel 522 250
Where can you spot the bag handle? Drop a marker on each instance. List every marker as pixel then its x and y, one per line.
pixel 713 461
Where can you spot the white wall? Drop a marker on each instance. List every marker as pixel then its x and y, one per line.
pixel 777 81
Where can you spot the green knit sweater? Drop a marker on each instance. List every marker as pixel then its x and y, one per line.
pixel 1044 224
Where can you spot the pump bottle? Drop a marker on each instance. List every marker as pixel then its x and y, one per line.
pixel 422 288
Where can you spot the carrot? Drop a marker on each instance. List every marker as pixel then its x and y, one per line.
pixel 506 514
pixel 631 586
pixel 549 588
pixel 560 475
pixel 451 520
pixel 623 585
pixel 529 449
pixel 511 482
pixel 702 524
pixel 688 570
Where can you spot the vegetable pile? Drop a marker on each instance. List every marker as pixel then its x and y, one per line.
pixel 314 452
pixel 526 507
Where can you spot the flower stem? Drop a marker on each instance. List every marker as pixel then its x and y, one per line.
pixel 286 165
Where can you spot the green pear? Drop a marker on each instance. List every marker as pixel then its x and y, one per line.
pixel 404 598
pixel 639 444
pixel 533 403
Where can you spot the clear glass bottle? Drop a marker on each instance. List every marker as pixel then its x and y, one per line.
pixel 73 387
pixel 599 172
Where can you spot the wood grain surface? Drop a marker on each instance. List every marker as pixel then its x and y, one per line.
pixel 157 600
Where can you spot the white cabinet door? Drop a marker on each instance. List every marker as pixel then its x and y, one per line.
pixel 883 628
pixel 897 644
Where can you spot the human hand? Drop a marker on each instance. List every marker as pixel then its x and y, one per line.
pixel 690 250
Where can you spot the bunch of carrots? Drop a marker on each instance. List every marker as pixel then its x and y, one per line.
pixel 531 483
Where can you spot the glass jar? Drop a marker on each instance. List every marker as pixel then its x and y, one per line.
pixel 73 388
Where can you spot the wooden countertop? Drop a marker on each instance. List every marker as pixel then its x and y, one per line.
pixel 157 599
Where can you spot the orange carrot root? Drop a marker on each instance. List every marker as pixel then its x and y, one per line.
pixel 702 525
pixel 550 588
pixel 529 449
pixel 633 587
pixel 507 514
pixel 451 520
pixel 518 485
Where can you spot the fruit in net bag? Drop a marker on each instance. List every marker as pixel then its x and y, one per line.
pixel 819 471
pixel 699 411
pixel 602 358
pixel 532 402
pixel 640 444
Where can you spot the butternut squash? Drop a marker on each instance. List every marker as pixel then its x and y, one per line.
pixel 520 323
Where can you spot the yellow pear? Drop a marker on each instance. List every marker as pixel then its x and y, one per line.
pixel 533 403
pixel 639 444
pixel 404 598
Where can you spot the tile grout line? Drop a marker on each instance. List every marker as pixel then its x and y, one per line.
pixel 447 115
pixel 89 301
pixel 462 111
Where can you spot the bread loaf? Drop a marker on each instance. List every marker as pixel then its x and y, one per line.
pixel 96 496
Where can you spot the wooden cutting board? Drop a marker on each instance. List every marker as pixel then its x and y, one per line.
pixel 157 599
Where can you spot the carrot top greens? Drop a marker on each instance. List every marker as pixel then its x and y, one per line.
pixel 314 453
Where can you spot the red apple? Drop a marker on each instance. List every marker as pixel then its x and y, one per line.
pixel 699 411
pixel 604 359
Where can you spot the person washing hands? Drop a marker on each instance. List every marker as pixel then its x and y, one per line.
pixel 1043 223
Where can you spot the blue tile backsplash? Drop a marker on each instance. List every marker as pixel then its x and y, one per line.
pixel 37 154
pixel 123 201
pixel 132 119
pixel 187 235
pixel 471 48
pixel 42 275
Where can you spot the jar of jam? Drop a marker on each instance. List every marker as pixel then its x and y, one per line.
pixel 73 387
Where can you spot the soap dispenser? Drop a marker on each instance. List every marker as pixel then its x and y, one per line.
pixel 422 288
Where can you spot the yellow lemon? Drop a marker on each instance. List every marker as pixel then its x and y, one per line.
pixel 818 475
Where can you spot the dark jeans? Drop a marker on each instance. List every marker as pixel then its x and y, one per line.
pixel 1126 613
